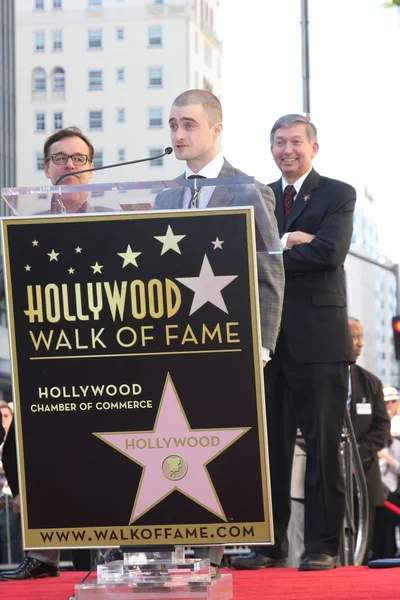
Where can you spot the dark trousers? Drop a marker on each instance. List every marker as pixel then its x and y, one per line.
pixel 384 540
pixel 10 522
pixel 312 397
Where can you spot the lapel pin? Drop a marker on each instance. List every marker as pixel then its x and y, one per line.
pixel 306 197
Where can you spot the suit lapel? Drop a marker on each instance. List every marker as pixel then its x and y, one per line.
pixel 222 195
pixel 277 189
pixel 304 196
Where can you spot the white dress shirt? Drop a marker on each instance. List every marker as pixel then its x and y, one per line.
pixel 297 185
pixel 211 171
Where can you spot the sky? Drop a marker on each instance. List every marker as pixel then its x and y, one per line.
pixel 354 88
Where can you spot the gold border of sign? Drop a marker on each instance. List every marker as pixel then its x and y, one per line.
pixel 262 531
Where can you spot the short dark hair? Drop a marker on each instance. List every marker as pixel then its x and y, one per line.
pixel 288 120
pixel 210 103
pixel 65 133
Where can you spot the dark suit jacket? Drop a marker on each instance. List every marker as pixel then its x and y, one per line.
pixel 372 431
pixel 9 459
pixel 270 267
pixel 314 319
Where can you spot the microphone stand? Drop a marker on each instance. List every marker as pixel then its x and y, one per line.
pixel 168 150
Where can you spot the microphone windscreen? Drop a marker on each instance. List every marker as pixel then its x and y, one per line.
pixel 168 150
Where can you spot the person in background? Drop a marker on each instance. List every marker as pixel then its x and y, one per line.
pixel 65 151
pixel 384 542
pixel 306 381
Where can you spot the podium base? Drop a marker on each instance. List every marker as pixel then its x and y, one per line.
pixel 220 588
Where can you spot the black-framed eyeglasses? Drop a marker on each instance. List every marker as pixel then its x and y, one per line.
pixel 77 158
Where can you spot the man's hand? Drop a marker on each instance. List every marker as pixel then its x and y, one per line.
pixel 295 238
pixel 16 505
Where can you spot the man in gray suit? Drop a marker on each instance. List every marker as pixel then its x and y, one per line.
pixel 195 126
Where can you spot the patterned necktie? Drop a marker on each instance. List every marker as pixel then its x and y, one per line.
pixel 288 201
pixel 194 191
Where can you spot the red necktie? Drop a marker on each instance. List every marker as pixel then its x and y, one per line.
pixel 288 201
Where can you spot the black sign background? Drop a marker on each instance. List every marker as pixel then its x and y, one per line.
pixel 70 478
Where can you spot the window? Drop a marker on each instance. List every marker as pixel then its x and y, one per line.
pixel 155 76
pixel 40 41
pixel 58 80
pixel 96 80
pixel 121 75
pixel 40 122
pixel 95 39
pixel 57 41
pixel 39 4
pixel 155 36
pixel 98 159
pixel 160 161
pixel 95 3
pixel 155 117
pixel 96 119
pixel 57 4
pixel 158 1
pixel 120 34
pixel 39 80
pixel 58 121
pixel 120 115
pixel 121 155
pixel 39 161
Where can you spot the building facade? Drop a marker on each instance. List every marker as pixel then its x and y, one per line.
pixel 111 68
pixel 7 158
pixel 7 94
pixel 372 292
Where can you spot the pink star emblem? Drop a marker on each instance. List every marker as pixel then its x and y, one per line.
pixel 173 456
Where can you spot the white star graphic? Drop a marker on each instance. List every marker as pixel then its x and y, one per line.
pixel 28 267
pixel 170 241
pixel 71 271
pixel 217 244
pixel 96 268
pixel 129 257
pixel 207 287
pixel 78 250
pixel 53 255
pixel 35 243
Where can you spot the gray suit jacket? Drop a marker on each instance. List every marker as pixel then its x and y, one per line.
pixel 271 276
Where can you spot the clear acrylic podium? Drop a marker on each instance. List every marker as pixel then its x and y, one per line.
pixel 227 192
pixel 152 574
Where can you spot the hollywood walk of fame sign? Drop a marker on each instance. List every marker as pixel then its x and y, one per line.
pixel 138 379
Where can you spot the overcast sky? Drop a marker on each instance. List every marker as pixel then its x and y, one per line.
pixel 355 92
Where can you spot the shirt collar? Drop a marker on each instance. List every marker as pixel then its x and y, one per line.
pixel 212 170
pixel 297 184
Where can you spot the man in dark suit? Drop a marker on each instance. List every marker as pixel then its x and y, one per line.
pixel 195 125
pixel 371 425
pixel 307 378
pixel 65 151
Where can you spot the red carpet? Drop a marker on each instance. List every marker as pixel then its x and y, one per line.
pixel 349 583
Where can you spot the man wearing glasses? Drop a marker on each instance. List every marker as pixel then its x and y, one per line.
pixel 65 151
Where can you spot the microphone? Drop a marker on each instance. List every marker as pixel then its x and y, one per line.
pixel 168 150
